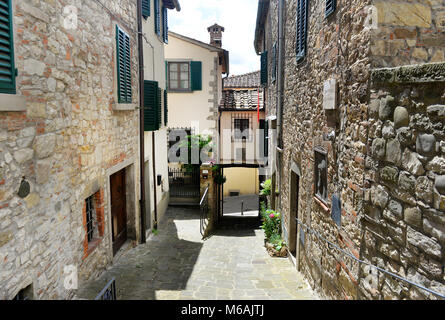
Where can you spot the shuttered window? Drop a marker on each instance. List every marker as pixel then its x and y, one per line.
pixel 7 67
pixel 164 24
pixel 157 18
pixel 274 62
pixel 146 8
pixel 184 76
pixel 152 106
pixel 302 17
pixel 330 7
pixel 264 68
pixel 165 108
pixel 266 138
pixel 123 66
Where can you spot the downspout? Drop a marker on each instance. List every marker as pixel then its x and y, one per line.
pixel 155 182
pixel 280 89
pixel 141 122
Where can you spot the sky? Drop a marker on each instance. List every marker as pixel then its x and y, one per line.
pixel 238 17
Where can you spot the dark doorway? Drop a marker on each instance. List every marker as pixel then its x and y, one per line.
pixel 118 210
pixel 293 223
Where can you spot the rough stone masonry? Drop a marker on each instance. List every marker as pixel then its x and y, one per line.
pixel 63 143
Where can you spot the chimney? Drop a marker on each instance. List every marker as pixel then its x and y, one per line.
pixel 216 35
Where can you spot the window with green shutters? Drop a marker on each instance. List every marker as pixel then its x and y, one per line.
pixel 330 7
pixel 7 66
pixel 157 18
pixel 152 106
pixel 264 73
pixel 266 138
pixel 184 76
pixel 164 24
pixel 123 66
pixel 302 17
pixel 146 8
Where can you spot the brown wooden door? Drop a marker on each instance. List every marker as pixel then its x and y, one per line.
pixel 118 210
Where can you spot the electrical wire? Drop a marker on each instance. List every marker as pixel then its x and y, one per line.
pixel 332 245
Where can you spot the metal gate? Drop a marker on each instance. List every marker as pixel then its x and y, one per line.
pixel 184 185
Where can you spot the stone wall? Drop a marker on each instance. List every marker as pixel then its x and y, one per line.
pixel 409 32
pixel 64 143
pixel 404 222
pixel 337 48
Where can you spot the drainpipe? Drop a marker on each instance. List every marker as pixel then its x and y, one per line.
pixel 280 89
pixel 141 121
pixel 155 181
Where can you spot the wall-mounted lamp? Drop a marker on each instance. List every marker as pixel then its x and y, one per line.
pixel 24 188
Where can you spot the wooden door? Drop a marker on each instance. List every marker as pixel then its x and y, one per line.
pixel 118 210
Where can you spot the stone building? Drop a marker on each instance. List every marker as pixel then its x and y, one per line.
pixel 69 141
pixel 359 149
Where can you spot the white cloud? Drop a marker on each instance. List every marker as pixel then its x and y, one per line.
pixel 238 17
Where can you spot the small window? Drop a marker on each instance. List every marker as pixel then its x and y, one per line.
pixel 123 58
pixel 145 8
pixel 241 128
pixel 321 175
pixel 179 76
pixel 90 217
pixel 7 67
pixel 157 18
pixel 330 7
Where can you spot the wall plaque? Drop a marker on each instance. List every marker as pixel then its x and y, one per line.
pixel 330 95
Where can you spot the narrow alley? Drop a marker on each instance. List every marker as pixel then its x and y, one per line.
pixel 177 264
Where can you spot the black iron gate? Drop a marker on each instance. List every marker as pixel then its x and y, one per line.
pixel 184 184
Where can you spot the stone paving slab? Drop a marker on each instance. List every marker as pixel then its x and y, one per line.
pixel 178 264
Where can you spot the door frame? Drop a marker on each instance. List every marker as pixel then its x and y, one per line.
pixel 294 212
pixel 130 207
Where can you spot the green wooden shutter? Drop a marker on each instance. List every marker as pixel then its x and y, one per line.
pixel 196 75
pixel 159 109
pixel 146 8
pixel 165 108
pixel 302 17
pixel 264 68
pixel 331 5
pixel 151 114
pixel 123 66
pixel 157 18
pixel 7 66
pixel 164 24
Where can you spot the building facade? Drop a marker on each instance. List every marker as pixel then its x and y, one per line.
pixel 241 119
pixel 358 167
pixel 69 167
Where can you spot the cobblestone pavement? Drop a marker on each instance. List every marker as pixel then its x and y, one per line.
pixel 177 264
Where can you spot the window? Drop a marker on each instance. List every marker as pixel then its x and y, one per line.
pixel 165 108
pixel 302 17
pixel 7 67
pixel 179 76
pixel 321 175
pixel 157 18
pixel 90 217
pixel 184 76
pixel 164 25
pixel 24 294
pixel 123 66
pixel 264 68
pixel 330 7
pixel 146 8
pixel 241 127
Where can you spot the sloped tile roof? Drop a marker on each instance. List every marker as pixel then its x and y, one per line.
pixel 248 80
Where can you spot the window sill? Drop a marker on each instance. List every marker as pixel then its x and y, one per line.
pixel 322 204
pixel 124 106
pixel 92 245
pixel 12 102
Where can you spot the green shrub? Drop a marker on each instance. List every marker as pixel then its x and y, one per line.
pixel 271 223
pixel 277 241
pixel 266 187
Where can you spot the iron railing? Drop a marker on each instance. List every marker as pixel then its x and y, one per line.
pixel 109 292
pixel 204 207
pixel 184 184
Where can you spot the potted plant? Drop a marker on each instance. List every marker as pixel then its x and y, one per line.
pixel 274 243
